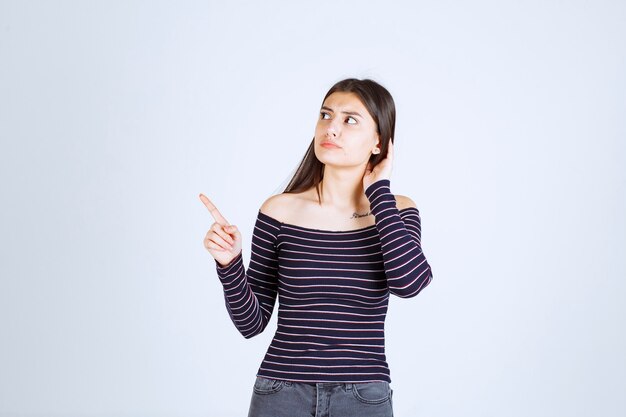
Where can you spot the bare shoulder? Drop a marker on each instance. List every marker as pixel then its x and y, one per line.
pixel 403 202
pixel 279 206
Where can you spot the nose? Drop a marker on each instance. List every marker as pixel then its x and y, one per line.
pixel 331 131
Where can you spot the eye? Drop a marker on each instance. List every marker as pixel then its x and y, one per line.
pixel 323 113
pixel 355 122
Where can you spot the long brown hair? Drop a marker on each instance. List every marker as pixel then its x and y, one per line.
pixel 380 105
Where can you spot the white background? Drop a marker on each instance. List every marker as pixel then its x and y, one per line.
pixel 510 138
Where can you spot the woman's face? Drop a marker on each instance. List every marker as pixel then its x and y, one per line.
pixel 345 122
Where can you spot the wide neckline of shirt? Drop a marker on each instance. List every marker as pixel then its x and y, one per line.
pixel 309 229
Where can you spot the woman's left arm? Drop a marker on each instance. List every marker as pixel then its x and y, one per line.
pixel 406 267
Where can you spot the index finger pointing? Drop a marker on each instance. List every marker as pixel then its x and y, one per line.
pixel 213 210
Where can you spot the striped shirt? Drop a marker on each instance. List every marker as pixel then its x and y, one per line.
pixel 333 289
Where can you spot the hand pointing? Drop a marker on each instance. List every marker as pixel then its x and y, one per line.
pixel 223 240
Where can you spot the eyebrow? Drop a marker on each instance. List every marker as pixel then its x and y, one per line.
pixel 352 113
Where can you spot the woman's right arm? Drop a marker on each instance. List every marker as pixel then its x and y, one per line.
pixel 250 295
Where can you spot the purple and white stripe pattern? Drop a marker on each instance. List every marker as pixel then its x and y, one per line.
pixel 333 289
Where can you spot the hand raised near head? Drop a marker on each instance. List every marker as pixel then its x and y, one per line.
pixel 381 171
pixel 223 240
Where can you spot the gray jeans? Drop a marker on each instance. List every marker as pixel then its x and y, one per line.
pixel 280 398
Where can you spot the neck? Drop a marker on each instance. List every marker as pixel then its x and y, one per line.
pixel 343 190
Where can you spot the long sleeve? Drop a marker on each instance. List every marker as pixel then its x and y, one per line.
pixel 406 267
pixel 250 296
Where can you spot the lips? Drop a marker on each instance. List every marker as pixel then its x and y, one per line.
pixel 328 144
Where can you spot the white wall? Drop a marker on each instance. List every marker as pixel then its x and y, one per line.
pixel 510 139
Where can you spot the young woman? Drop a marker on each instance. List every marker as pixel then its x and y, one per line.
pixel 333 246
